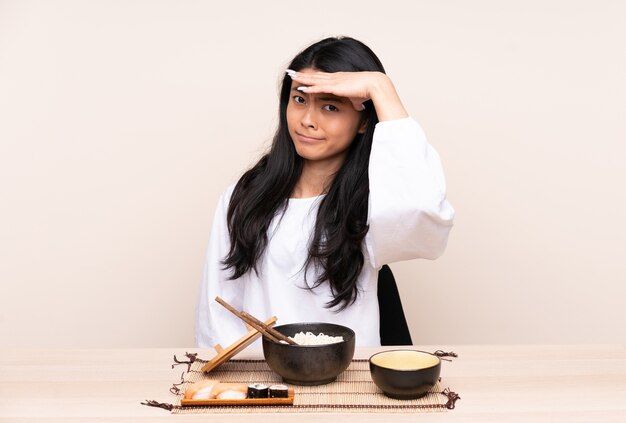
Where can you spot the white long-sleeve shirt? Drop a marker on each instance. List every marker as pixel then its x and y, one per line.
pixel 409 217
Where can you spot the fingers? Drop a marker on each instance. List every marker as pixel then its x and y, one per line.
pixel 314 89
pixel 358 105
pixel 316 75
pixel 308 79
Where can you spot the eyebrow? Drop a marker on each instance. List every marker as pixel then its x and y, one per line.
pixel 325 97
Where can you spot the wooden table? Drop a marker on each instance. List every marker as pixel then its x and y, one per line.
pixel 496 384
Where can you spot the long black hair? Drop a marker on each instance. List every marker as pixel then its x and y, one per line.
pixel 263 191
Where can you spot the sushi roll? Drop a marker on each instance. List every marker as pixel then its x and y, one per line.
pixel 279 391
pixel 258 390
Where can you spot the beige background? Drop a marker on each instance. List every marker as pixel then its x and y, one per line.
pixel 122 121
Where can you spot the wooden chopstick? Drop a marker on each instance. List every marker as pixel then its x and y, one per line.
pixel 267 331
pixel 246 320
pixel 270 329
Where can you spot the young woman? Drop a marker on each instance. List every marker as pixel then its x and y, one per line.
pixel 348 185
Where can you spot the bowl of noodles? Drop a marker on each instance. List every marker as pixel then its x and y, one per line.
pixel 323 351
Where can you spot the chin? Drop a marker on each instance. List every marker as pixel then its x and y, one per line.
pixel 308 153
pixel 310 157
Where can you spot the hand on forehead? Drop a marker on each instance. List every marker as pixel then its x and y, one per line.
pixel 341 86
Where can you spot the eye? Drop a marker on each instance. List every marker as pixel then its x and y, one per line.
pixel 297 99
pixel 331 108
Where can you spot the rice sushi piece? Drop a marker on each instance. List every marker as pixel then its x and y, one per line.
pixel 279 391
pixel 201 390
pixel 232 394
pixel 226 390
pixel 258 390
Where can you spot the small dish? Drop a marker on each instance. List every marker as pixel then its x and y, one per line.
pixel 405 374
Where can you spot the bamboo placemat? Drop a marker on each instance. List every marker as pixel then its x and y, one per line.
pixel 353 391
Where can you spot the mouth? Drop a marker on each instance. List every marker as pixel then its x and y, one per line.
pixel 304 138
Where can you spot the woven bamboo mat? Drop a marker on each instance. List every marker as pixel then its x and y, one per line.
pixel 353 391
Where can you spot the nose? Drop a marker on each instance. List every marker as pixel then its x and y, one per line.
pixel 309 119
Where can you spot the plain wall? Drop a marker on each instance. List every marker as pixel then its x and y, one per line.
pixel 122 121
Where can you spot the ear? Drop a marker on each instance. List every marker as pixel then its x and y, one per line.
pixel 362 126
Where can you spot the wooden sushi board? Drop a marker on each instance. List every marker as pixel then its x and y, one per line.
pixel 247 401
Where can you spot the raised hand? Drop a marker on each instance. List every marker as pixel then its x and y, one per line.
pixel 358 87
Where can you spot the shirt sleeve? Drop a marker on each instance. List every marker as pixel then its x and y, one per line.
pixel 214 324
pixel 409 216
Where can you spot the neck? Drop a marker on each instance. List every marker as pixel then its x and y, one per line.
pixel 316 177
